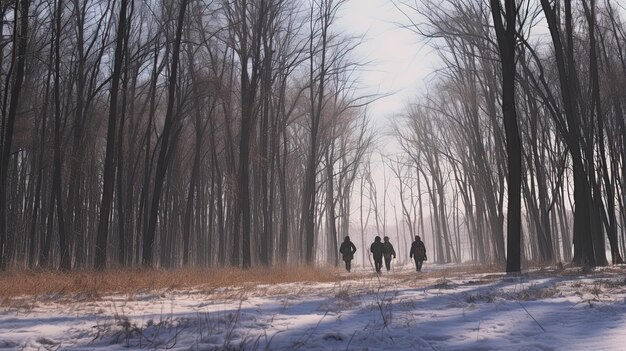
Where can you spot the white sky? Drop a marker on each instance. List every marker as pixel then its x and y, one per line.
pixel 400 63
pixel 399 67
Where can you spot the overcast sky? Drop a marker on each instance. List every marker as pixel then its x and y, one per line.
pixel 400 65
pixel 400 62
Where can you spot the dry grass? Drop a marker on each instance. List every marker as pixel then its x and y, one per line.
pixel 90 285
pixel 537 293
pixel 93 284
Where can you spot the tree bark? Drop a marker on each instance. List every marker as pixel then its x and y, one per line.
pixel 506 35
pixel 168 140
pixel 108 178
pixel 21 42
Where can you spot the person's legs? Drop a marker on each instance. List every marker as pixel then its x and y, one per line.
pixel 378 264
pixel 347 265
pixel 388 263
pixel 419 265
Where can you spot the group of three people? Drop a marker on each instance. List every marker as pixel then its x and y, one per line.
pixel 384 250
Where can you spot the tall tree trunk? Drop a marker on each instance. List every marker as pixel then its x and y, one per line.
pixel 317 93
pixel 143 212
pixel 507 39
pixel 583 245
pixel 57 185
pixel 609 208
pixel 120 193
pixel 191 192
pixel 40 164
pixel 20 42
pixel 332 254
pixel 109 159
pixel 168 141
pixel 244 211
pixel 283 246
pixel 73 201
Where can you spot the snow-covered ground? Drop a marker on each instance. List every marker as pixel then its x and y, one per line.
pixel 401 310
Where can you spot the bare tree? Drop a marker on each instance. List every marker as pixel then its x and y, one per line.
pixel 506 33
pixel 584 215
pixel 109 163
pixel 169 135
pixel 20 40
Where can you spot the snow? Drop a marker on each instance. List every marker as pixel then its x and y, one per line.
pixel 400 310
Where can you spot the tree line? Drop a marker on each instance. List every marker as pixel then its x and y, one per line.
pixel 169 133
pixel 234 132
pixel 520 142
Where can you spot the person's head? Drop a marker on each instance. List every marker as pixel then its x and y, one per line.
pixel 386 238
pixel 377 239
pixel 417 238
pixel 347 238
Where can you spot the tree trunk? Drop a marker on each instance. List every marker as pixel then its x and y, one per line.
pixel 583 246
pixel 332 254
pixel 506 35
pixel 108 178
pixel 611 226
pixel 21 42
pixel 167 141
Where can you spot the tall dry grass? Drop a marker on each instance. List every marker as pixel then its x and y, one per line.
pixel 92 284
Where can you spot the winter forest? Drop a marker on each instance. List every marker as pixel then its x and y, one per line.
pixel 237 133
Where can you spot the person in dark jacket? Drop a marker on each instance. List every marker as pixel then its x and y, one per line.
pixel 418 252
pixel 377 249
pixel 389 251
pixel 347 251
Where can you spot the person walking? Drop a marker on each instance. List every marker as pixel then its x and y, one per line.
pixel 389 252
pixel 418 252
pixel 347 251
pixel 377 249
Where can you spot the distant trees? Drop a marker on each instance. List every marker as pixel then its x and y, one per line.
pixel 175 133
pixel 563 160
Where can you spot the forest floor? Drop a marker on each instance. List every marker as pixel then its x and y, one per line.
pixel 442 308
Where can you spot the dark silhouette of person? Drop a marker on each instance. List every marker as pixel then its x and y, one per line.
pixel 418 252
pixel 389 251
pixel 347 250
pixel 377 249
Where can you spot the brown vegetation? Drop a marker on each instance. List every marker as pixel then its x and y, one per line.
pixel 93 284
